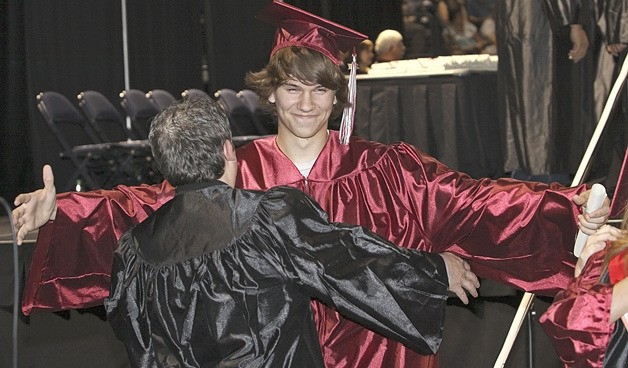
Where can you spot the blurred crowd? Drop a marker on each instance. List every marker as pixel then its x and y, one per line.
pixel 432 28
pixel 448 27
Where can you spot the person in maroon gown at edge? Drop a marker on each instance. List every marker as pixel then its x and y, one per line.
pixel 518 233
pixel 584 322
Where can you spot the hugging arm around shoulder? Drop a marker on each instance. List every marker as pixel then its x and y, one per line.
pixel 397 292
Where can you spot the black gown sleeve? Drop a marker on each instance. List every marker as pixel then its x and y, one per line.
pixel 396 292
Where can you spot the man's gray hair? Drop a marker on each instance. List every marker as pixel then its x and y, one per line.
pixel 187 140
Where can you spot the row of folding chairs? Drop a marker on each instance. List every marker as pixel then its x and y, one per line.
pixel 96 139
pixel 109 153
pixel 247 120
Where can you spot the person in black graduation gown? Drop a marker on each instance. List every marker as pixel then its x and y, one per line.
pixel 220 276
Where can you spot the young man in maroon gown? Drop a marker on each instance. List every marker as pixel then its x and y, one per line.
pixel 518 233
pixel 220 276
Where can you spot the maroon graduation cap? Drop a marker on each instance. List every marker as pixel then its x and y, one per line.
pixel 296 27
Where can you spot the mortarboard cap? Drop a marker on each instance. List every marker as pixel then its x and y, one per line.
pixel 296 27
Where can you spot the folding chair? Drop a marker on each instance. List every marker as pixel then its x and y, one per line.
pixel 91 160
pixel 239 115
pixel 193 92
pixel 262 120
pixel 160 98
pixel 104 118
pixel 240 120
pixel 134 157
pixel 139 109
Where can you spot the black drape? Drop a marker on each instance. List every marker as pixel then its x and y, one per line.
pixel 236 41
pixel 70 46
pixel 368 17
pixel 78 45
pixel 166 41
pixel 15 157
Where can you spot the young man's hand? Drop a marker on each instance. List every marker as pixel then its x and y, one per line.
pixel 36 208
pixel 590 222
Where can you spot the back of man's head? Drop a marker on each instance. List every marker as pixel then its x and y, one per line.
pixel 386 40
pixel 187 141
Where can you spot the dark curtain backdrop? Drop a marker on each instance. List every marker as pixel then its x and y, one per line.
pixel 368 17
pixel 73 45
pixel 15 147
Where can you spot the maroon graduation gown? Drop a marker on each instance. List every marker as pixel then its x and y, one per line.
pixel 578 321
pixel 519 233
pixel 510 231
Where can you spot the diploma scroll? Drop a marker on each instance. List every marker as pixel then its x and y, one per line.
pixel 595 202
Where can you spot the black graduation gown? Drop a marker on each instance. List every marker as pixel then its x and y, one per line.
pixel 224 277
pixel 616 12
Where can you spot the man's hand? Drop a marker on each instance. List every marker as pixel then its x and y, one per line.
pixel 460 277
pixel 580 43
pixel 36 208
pixel 590 222
pixel 616 48
pixel 596 243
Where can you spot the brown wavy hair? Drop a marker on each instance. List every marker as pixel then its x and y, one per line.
pixel 305 65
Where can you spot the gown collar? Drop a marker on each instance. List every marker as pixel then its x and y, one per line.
pixel 185 188
pixel 324 166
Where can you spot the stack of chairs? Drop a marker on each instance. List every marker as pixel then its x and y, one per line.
pixel 140 111
pixel 106 120
pixel 240 118
pixel 160 98
pixel 133 156
pixel 239 115
pixel 193 92
pixel 262 120
pixel 92 159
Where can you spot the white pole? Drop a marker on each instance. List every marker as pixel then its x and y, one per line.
pixel 125 53
pixel 525 304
